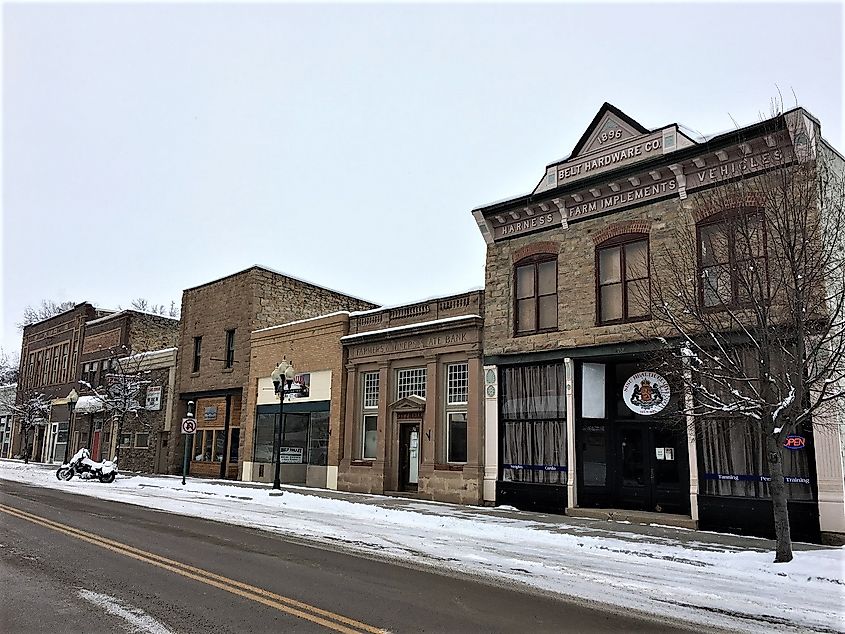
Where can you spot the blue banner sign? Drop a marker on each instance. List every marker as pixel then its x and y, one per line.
pixel 534 467
pixel 745 477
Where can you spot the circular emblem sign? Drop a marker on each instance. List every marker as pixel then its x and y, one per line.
pixel 646 393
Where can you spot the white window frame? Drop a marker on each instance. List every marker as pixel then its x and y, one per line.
pixel 364 455
pixel 370 386
pixel 449 435
pixel 128 443
pixel 456 376
pixel 135 441
pixel 409 378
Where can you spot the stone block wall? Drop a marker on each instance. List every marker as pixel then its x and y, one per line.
pixel 146 460
pixel 152 332
pixel 280 299
pixel 577 305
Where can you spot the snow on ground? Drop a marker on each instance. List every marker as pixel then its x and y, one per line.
pixel 700 581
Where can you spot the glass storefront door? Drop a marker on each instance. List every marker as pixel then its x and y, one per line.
pixel 409 456
pixel 627 459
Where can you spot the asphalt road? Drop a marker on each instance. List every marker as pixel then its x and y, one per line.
pixel 76 563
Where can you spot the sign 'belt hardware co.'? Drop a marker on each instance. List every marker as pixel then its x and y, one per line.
pixel 625 154
pixel 708 168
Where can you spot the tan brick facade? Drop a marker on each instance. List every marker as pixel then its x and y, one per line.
pixel 245 301
pixel 312 346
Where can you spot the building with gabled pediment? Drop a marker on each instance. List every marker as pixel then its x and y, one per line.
pixel 563 344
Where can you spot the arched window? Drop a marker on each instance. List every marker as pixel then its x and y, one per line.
pixel 535 294
pixel 732 258
pixel 623 284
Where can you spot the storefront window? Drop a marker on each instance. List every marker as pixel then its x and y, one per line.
pixel 234 441
pixel 265 435
pixel 733 456
pixel 302 431
pixel 534 424
pixel 318 439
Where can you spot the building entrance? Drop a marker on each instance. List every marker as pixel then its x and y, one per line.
pixel 629 456
pixel 409 456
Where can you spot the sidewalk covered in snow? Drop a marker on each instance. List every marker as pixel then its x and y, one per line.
pixel 711 580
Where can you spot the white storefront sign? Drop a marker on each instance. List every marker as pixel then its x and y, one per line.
pixel 290 455
pixel 154 398
pixel 646 393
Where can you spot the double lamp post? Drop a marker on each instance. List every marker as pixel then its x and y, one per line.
pixel 282 375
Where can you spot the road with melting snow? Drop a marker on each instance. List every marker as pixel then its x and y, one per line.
pixel 73 563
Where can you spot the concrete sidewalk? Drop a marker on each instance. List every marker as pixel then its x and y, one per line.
pixel 630 531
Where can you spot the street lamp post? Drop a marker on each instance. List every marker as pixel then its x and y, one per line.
pixel 71 403
pixel 282 376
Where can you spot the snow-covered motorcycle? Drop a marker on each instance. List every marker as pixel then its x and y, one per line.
pixel 82 465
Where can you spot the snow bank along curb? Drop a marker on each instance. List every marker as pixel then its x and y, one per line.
pixel 716 586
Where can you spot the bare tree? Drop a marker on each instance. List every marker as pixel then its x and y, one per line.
pixel 9 367
pixel 29 410
pixel 122 392
pixel 48 308
pixel 144 305
pixel 754 293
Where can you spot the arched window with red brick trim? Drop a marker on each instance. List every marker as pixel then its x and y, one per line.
pixel 623 280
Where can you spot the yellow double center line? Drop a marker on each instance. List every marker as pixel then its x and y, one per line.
pixel 287 605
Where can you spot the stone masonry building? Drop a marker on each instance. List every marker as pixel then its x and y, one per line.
pixel 213 371
pixel 413 416
pixel 107 342
pixel 567 296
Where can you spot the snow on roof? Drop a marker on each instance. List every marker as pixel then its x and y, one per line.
pixel 356 313
pixel 88 405
pixel 127 310
pixel 419 324
pixel 503 200
pixel 302 321
pixel 150 353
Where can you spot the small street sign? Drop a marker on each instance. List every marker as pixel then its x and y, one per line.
pixel 189 426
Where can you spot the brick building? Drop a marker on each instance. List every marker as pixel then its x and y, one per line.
pixel 413 415
pixel 312 441
pixel 107 341
pixel 213 370
pixel 562 337
pixel 50 353
pixel 8 394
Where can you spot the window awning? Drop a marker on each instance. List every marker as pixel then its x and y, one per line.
pixel 88 405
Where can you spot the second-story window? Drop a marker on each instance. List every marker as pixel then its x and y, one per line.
pixel 732 259
pixel 197 354
pixel 230 349
pixel 623 285
pixel 535 297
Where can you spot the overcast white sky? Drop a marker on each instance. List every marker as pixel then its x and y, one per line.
pixel 147 149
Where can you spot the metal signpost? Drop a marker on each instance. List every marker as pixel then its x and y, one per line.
pixel 189 428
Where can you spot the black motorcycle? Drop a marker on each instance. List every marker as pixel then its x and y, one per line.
pixel 82 465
